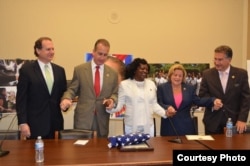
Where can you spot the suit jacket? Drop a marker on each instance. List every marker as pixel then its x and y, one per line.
pixel 235 100
pixel 83 86
pixel 182 120
pixel 131 97
pixel 35 105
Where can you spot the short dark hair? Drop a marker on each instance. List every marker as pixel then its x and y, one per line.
pixel 132 67
pixel 224 49
pixel 39 45
pixel 102 41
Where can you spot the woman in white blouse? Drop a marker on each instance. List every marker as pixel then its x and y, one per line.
pixel 138 95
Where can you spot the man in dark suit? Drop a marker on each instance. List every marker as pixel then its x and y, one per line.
pixel 230 84
pixel 90 111
pixel 38 100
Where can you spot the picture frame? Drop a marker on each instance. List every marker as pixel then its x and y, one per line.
pixel 143 146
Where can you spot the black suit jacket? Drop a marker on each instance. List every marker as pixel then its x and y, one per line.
pixel 35 105
pixel 236 99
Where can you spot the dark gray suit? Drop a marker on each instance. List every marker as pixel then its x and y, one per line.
pixel 35 105
pixel 236 99
pixel 83 86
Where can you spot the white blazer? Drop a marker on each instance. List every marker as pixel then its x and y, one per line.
pixel 135 98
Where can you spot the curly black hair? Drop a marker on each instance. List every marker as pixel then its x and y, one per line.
pixel 132 67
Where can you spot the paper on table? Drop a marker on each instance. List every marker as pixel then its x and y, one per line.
pixel 199 137
pixel 81 142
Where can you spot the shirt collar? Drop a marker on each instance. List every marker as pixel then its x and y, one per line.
pixel 41 64
pixel 225 71
pixel 94 65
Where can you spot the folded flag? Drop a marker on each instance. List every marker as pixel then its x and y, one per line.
pixel 128 139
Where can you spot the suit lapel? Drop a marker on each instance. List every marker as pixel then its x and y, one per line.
pixel 215 75
pixel 39 74
pixel 55 76
pixel 87 69
pixel 106 77
pixel 231 78
pixel 169 92
pixel 184 95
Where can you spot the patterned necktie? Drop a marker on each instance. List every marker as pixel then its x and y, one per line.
pixel 223 80
pixel 48 78
pixel 97 81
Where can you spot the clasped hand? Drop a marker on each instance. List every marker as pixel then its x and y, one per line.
pixel 65 104
pixel 217 104
pixel 109 103
pixel 170 111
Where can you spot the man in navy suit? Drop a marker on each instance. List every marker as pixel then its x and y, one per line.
pixel 38 105
pixel 233 91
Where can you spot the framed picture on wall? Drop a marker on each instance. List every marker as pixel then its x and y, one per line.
pixel 9 73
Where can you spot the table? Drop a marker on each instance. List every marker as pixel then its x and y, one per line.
pixel 95 152
pixel 238 141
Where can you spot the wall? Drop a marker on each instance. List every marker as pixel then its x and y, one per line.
pixel 248 32
pixel 158 30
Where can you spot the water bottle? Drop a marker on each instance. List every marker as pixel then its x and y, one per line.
pixel 229 128
pixel 39 147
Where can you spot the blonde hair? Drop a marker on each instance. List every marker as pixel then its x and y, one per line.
pixel 177 67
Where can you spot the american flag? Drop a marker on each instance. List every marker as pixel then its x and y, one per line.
pixel 128 139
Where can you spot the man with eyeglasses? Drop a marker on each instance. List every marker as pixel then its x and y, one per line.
pixel 230 84
pixel 96 86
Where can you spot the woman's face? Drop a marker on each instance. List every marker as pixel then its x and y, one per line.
pixel 141 72
pixel 177 77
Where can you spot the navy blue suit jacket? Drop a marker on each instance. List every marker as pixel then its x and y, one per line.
pixel 182 120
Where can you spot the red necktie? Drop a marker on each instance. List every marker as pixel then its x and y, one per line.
pixel 97 81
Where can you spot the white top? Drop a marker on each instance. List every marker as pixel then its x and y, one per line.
pixel 139 99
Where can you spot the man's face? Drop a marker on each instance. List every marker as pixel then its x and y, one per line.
pixel 100 54
pixel 46 53
pixel 221 62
